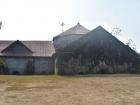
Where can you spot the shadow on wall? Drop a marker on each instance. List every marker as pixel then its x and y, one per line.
pixel 30 68
pixel 16 73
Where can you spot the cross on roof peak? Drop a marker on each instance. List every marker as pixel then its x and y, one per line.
pixel 78 23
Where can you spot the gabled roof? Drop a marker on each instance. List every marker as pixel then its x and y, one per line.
pixel 17 47
pixel 96 34
pixel 77 29
pixel 96 43
pixel 36 48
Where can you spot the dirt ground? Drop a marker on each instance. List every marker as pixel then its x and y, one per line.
pixel 120 89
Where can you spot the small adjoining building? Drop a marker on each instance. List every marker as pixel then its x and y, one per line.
pixel 28 57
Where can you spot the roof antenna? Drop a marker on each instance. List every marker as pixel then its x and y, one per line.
pixel 62 24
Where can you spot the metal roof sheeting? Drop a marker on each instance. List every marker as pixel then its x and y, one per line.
pixel 39 48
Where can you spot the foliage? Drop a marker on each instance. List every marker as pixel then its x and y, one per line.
pixel 2 63
pixel 131 44
pixel 3 68
pixel 116 31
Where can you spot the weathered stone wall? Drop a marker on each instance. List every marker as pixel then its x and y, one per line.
pixel 19 64
pixel 16 65
pixel 75 66
pixel 44 66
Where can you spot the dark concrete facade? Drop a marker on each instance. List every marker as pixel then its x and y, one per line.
pixel 19 64
pixel 97 52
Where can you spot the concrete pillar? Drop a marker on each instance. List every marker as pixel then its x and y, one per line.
pixel 55 66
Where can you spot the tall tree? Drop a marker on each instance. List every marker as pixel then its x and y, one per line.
pixel 131 44
pixel 116 31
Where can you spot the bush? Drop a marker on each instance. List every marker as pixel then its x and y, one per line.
pixel 3 68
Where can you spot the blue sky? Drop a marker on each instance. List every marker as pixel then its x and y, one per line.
pixel 40 19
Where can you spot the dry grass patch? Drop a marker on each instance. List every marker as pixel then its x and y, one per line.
pixel 119 89
pixel 21 83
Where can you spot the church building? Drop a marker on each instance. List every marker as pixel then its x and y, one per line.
pixel 74 51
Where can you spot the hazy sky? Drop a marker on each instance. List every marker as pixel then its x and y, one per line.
pixel 40 19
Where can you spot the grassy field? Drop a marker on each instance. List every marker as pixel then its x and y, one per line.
pixel 119 89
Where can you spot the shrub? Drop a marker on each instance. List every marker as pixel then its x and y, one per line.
pixel 3 68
